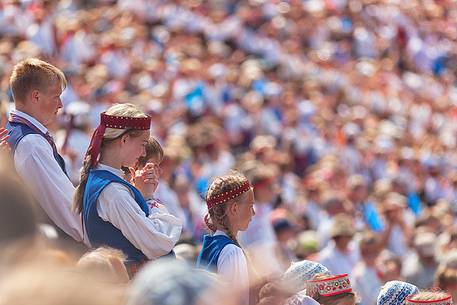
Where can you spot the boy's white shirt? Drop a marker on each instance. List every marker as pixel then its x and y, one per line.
pixel 155 235
pixel 35 163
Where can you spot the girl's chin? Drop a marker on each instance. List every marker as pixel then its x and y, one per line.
pixel 244 228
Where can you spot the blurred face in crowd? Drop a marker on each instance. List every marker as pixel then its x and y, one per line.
pixel 359 194
pixel 342 242
pixel 369 251
pixel 394 215
pixel 390 269
pixel 266 191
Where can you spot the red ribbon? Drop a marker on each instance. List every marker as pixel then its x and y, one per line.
pixel 117 122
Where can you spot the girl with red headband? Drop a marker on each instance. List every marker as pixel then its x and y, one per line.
pixel 115 212
pixel 230 202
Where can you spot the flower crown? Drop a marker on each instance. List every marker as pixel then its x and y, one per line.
pixel 335 285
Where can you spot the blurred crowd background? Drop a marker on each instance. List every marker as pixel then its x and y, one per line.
pixel 341 113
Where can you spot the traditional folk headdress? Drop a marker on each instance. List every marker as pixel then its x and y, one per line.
pixel 335 285
pixel 117 122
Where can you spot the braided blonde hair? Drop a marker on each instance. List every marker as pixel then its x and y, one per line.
pixel 218 213
pixel 111 134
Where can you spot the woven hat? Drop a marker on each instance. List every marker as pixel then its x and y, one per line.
pixel 395 293
pixel 299 273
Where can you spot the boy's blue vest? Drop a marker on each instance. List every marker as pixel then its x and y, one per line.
pixel 211 249
pixel 101 232
pixel 17 131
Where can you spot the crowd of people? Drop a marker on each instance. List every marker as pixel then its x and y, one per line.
pixel 287 145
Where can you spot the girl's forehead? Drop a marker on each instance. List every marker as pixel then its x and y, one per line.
pixel 250 195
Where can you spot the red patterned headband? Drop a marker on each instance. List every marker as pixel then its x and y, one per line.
pixel 223 197
pixel 117 122
pixel 331 286
pixel 444 301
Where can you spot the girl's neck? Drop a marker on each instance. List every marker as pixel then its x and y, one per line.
pixel 229 234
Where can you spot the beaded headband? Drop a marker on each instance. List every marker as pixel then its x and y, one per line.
pixel 444 301
pixel 223 197
pixel 116 122
pixel 331 286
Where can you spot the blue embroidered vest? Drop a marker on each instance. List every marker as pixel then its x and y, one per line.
pixel 211 249
pixel 101 232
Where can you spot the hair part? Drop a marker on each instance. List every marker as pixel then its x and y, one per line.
pixel 34 74
pixel 110 135
pixel 218 214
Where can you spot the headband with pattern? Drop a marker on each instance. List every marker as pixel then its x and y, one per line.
pixel 443 301
pixel 117 122
pixel 337 284
pixel 223 197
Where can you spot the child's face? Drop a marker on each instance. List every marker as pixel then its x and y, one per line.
pixel 243 212
pixel 156 161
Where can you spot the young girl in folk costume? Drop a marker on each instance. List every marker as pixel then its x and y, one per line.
pixel 331 289
pixel 430 298
pixel 230 201
pixel 114 211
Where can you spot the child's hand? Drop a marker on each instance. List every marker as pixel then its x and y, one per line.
pixel 146 179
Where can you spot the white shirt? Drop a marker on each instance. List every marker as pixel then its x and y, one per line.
pixel 35 164
pixel 233 268
pixel 155 235
pixel 169 198
pixel 336 261
pixel 366 283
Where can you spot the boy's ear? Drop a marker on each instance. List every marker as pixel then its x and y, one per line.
pixel 35 95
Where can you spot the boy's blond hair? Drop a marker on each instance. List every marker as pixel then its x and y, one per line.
pixel 34 74
pixel 153 149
